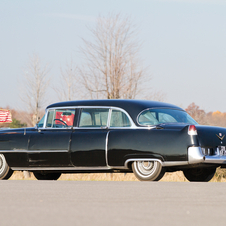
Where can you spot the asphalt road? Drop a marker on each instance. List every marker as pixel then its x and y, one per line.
pixel 38 203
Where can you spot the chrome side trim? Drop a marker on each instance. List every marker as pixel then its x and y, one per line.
pixel 195 155
pixel 112 128
pixel 164 164
pixel 59 168
pixel 175 163
pixel 50 151
pixel 96 128
pixel 32 151
pixel 51 128
pixel 106 149
pixel 218 159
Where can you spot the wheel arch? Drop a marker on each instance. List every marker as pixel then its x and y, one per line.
pixel 128 162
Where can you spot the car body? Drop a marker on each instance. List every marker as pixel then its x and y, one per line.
pixel 147 138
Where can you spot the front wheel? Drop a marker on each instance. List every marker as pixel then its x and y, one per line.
pixel 5 171
pixel 148 170
pixel 199 174
pixel 47 176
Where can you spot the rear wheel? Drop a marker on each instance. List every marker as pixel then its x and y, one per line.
pixel 5 171
pixel 148 170
pixel 199 174
pixel 47 176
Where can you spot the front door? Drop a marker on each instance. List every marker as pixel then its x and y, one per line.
pixel 49 146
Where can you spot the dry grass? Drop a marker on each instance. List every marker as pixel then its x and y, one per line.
pixel 220 176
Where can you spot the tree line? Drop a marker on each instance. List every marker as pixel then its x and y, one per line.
pixel 215 118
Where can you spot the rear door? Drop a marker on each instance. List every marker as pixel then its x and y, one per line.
pixel 88 141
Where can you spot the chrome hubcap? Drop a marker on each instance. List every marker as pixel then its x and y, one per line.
pixel 146 168
pixel 2 163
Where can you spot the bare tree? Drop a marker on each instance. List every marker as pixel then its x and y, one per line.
pixel 112 66
pixel 69 84
pixel 35 84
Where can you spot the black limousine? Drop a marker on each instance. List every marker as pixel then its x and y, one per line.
pixel 147 138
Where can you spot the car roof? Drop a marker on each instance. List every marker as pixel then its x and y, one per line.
pixel 132 107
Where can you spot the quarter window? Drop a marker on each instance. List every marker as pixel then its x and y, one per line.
pixel 119 119
pixel 60 118
pixel 161 116
pixel 94 117
pixel 41 122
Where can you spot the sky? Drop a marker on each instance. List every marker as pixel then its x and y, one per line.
pixel 184 44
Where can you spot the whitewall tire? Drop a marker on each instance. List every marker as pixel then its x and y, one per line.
pixel 148 170
pixel 5 171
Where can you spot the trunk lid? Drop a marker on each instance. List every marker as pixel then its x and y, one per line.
pixel 211 136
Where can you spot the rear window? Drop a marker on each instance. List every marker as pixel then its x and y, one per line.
pixel 163 116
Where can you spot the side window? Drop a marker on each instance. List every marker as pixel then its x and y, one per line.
pixel 49 121
pixel 166 118
pixel 119 119
pixel 85 120
pixel 60 118
pixel 148 118
pixel 94 117
pixel 41 122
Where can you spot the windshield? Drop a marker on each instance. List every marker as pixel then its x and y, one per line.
pixel 162 116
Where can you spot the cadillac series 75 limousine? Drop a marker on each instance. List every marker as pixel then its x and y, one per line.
pixel 104 136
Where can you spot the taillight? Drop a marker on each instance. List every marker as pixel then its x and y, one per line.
pixel 192 130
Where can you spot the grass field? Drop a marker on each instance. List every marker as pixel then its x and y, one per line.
pixel 220 176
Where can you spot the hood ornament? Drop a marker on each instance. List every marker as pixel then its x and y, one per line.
pixel 220 136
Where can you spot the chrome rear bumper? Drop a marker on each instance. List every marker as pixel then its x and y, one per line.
pixel 195 155
pixel 218 159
